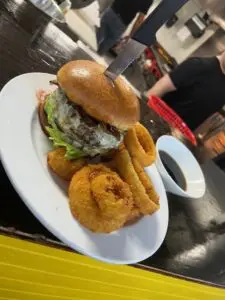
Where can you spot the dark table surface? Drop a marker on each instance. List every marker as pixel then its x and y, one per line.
pixel 195 242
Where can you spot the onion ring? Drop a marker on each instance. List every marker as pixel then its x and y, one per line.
pixel 62 167
pixel 99 199
pixel 146 181
pixel 140 145
pixel 127 172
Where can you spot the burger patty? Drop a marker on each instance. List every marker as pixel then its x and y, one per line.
pixel 81 130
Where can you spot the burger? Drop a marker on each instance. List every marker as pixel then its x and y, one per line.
pixel 88 114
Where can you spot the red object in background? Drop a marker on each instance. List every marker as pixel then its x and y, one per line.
pixel 154 69
pixel 160 107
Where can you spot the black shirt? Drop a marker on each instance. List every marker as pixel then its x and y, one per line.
pixel 127 9
pixel 200 85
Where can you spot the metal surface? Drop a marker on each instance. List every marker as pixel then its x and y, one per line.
pixel 131 52
pixel 145 36
pixel 195 242
pixel 51 8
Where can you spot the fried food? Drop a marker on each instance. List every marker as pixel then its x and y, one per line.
pixel 126 170
pixel 99 199
pixel 140 145
pixel 64 168
pixel 146 181
pixel 134 216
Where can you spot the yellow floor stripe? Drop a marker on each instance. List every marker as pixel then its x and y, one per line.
pixel 11 266
pixel 25 282
pixel 38 294
pixel 57 275
pixel 150 292
pixel 46 272
pixel 3 298
pixel 129 270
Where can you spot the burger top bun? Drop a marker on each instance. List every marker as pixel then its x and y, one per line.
pixel 85 84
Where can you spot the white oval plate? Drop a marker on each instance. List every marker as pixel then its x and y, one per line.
pixel 23 149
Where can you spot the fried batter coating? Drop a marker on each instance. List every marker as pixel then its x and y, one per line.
pixel 146 181
pixel 134 216
pixel 99 199
pixel 140 145
pixel 127 172
pixel 64 168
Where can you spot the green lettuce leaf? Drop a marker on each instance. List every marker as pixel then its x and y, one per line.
pixel 57 139
pixel 55 135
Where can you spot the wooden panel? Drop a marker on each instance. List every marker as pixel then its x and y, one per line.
pixel 32 271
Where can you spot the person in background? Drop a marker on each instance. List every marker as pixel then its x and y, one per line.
pixel 195 89
pixel 116 19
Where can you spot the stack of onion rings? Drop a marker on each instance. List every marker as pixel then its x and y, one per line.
pixel 104 198
pixel 140 145
pixel 99 199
